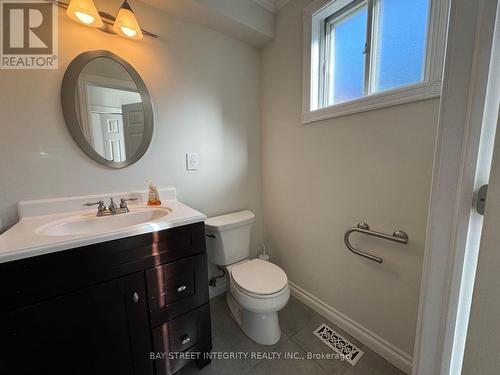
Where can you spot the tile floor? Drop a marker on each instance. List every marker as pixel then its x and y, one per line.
pixel 297 323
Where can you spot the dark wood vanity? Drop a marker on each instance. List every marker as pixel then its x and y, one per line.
pixel 119 307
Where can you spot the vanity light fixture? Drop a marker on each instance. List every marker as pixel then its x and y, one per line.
pixel 126 24
pixel 84 11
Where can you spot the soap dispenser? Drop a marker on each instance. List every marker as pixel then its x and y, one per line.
pixel 153 196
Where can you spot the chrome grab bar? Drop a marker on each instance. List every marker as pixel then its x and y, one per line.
pixel 398 236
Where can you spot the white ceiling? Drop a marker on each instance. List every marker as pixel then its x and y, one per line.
pixel 252 21
pixel 272 5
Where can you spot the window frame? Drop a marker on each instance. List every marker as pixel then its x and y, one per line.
pixel 314 70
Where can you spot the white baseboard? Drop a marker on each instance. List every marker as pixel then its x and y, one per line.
pixel 214 291
pixel 396 356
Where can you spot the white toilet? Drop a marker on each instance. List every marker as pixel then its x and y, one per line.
pixel 257 289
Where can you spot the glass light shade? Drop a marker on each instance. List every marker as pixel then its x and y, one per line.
pixel 126 24
pixel 84 12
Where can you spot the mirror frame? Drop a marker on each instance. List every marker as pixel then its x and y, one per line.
pixel 68 100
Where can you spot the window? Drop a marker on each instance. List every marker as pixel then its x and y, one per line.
pixel 366 54
pixel 345 50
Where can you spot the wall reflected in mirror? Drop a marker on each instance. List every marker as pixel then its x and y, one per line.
pixel 109 109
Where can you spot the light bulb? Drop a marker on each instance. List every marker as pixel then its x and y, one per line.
pixel 84 17
pixel 127 31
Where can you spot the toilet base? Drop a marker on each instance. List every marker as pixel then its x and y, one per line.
pixel 263 328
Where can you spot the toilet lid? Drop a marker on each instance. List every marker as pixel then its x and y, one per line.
pixel 259 277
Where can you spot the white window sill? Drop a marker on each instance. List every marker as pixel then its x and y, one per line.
pixel 384 99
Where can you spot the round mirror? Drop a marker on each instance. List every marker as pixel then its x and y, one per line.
pixel 107 108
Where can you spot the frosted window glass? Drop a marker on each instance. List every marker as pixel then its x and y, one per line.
pixel 348 36
pixel 399 56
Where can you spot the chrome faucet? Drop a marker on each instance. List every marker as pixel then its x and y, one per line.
pixel 101 208
pixel 113 208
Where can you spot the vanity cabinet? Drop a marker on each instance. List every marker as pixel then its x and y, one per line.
pixel 106 308
pixel 97 329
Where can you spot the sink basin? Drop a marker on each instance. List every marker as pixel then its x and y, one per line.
pixel 90 224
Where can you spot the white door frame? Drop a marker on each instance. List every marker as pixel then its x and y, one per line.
pixel 452 228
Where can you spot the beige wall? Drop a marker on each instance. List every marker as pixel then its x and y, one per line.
pixel 319 179
pixel 204 88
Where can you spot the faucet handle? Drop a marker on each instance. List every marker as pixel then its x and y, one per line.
pixel 123 202
pixel 100 209
pixel 127 199
pixel 100 203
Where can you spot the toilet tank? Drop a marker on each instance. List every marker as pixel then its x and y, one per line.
pixel 228 237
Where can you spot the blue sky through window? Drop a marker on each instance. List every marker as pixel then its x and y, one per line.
pixel 401 42
pixel 348 43
pixel 398 49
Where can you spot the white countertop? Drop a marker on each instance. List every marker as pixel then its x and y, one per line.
pixel 23 240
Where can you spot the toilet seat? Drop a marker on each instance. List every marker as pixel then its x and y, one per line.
pixel 259 278
pixel 255 296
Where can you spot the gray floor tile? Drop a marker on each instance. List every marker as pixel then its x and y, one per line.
pixel 294 316
pixel 297 324
pixel 217 367
pixel 310 343
pixel 373 364
pixel 287 366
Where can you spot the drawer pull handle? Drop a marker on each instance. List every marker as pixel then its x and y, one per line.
pixel 211 235
pixel 181 289
pixel 185 339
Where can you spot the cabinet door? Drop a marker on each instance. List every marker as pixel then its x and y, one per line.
pixel 102 329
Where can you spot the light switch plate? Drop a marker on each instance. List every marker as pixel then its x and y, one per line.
pixel 191 161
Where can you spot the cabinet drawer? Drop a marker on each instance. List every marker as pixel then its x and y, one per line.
pixel 180 242
pixel 182 333
pixel 190 333
pixel 177 287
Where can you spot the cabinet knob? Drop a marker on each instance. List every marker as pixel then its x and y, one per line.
pixel 181 288
pixel 185 339
pixel 135 297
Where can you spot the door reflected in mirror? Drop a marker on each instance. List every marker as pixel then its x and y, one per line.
pixel 110 109
pixel 107 108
